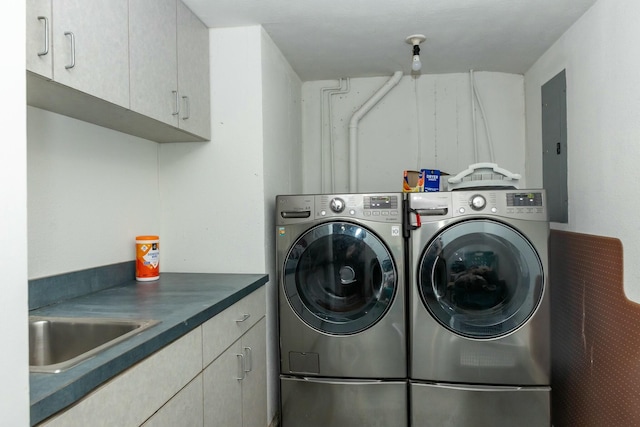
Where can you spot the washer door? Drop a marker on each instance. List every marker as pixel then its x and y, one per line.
pixel 480 279
pixel 339 278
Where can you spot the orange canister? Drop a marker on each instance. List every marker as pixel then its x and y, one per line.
pixel 147 258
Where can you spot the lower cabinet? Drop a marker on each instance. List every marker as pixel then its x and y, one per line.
pixel 184 409
pixel 235 383
pixel 198 380
pixel 254 384
pixel 133 396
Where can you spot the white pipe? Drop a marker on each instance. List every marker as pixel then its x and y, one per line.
pixel 353 127
pixel 473 117
pixel 322 125
pixel 484 118
pixel 331 142
pixel 419 117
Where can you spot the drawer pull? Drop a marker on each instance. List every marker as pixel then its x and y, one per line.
pixel 249 359
pixel 72 40
pixel 241 371
pixel 46 35
pixel 187 108
pixel 244 318
pixel 176 111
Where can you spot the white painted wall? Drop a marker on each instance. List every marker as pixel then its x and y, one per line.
pixel 213 212
pixel 218 197
pixel 424 122
pixel 282 114
pixel 91 191
pixel 14 387
pixel 603 130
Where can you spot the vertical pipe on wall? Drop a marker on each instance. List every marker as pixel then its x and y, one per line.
pixel 484 118
pixel 322 125
pixel 353 127
pixel 331 142
pixel 473 117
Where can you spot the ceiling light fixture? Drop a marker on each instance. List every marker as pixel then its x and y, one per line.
pixel 415 40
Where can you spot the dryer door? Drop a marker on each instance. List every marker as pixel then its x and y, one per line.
pixel 339 278
pixel 480 279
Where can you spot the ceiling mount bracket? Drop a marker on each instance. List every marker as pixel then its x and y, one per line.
pixel 415 39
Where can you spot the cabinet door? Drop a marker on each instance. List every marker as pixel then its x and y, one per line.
pixel 90 41
pixel 39 52
pixel 193 73
pixel 184 409
pixel 254 386
pixel 136 394
pixel 222 389
pixel 153 59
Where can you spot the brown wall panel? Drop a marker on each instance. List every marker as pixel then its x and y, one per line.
pixel 595 334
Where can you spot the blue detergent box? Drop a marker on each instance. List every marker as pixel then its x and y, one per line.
pixel 431 179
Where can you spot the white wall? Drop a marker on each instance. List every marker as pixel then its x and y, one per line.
pixel 91 191
pixel 424 122
pixel 281 90
pixel 213 192
pixel 599 53
pixel 14 387
pixel 218 197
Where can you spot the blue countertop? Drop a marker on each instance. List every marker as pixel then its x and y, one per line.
pixel 180 301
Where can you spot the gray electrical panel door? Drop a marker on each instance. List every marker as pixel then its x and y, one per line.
pixel 554 147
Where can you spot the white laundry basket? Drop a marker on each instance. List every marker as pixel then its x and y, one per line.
pixel 484 175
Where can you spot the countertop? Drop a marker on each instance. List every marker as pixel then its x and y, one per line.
pixel 180 301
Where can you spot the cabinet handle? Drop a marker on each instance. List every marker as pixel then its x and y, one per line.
pixel 249 357
pixel 186 107
pixel 72 37
pixel 176 111
pixel 244 318
pixel 241 371
pixel 46 35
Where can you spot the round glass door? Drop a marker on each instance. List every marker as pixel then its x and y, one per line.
pixel 339 278
pixel 480 279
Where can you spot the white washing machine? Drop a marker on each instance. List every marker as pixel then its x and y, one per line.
pixel 340 263
pixel 479 309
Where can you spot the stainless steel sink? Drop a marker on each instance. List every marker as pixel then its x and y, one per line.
pixel 58 343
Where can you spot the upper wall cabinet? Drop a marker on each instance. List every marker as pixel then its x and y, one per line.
pixel 118 64
pixel 193 73
pixel 39 53
pixel 86 47
pixel 169 71
pixel 91 47
pixel 154 59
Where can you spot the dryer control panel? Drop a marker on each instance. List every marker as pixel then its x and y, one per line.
pixel 522 204
pixel 380 207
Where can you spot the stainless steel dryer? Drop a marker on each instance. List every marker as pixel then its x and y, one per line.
pixel 479 316
pixel 340 262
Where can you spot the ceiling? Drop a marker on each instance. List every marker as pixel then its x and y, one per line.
pixel 329 39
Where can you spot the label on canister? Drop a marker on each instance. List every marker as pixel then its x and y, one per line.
pixel 147 258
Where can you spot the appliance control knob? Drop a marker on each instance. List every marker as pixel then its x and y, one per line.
pixel 477 202
pixel 337 205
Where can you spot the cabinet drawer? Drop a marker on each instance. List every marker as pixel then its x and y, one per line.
pixel 225 328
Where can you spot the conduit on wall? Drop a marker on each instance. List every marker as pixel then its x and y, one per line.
pixel 322 125
pixel 353 127
pixel 327 117
pixel 331 142
pixel 475 95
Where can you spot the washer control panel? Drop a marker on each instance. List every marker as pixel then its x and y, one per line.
pixel 523 204
pixel 381 207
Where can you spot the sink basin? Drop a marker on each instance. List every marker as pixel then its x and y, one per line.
pixel 58 343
